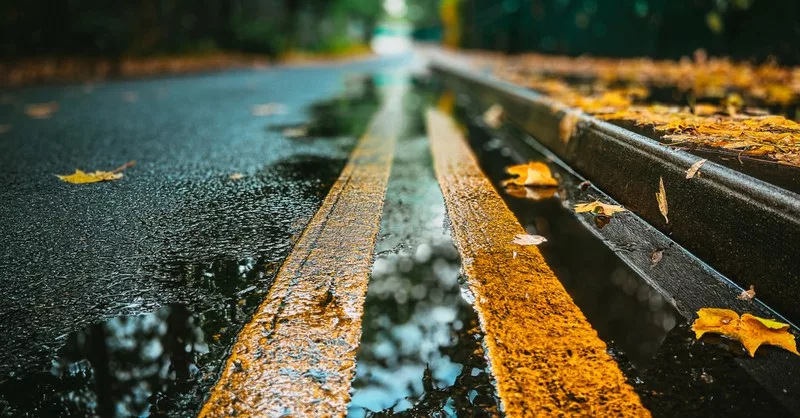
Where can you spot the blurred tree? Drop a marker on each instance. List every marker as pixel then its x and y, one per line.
pixel 148 27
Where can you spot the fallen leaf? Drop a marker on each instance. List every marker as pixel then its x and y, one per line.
pixel 493 116
pixel 525 239
pixel 694 169
pixel 41 110
pixel 584 184
pixel 598 208
pixel 236 176
pixel 81 177
pixel 534 174
pixel 268 109
pixel 567 125
pixel 531 193
pixel 295 132
pixel 750 330
pixel 661 198
pixel 748 294
pixel 656 257
pixel 5 128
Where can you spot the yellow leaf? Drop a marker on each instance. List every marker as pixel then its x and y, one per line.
pixel 750 330
pixel 694 169
pixel 661 198
pixel 81 177
pixel 534 174
pixel 236 176
pixel 599 208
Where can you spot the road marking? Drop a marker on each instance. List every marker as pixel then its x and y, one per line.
pixel 296 357
pixel 545 356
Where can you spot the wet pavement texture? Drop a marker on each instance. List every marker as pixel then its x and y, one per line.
pixel 673 373
pixel 421 351
pixel 122 298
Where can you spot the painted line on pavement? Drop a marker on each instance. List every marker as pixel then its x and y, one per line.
pixel 545 356
pixel 296 357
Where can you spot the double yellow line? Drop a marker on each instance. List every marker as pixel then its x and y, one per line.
pixel 296 357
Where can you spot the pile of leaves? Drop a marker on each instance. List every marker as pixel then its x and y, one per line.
pixel 703 76
pixel 620 90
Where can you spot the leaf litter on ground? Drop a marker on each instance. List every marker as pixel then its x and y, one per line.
pixel 749 330
pixel 81 177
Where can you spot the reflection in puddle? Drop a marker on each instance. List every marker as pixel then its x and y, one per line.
pixel 421 348
pixel 128 359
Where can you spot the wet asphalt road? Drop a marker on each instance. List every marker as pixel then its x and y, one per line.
pixel 176 229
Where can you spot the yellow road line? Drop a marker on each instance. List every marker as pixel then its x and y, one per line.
pixel 296 357
pixel 545 356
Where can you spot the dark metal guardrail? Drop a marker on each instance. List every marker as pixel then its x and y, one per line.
pixel 746 228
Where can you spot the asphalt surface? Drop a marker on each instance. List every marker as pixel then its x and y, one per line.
pixel 176 230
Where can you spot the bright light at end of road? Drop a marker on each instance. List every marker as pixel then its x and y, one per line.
pixel 395 8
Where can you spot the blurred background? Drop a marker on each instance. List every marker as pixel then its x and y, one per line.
pixel 742 29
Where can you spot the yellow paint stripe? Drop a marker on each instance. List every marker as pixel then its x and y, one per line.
pixel 545 356
pixel 296 357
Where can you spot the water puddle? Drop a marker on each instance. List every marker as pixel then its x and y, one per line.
pixel 674 374
pixel 337 117
pixel 421 351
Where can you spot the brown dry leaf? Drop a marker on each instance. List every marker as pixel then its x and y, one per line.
pixel 236 176
pixel 567 125
pixel 748 294
pixel 599 208
pixel 525 239
pixel 750 330
pixel 5 128
pixel 268 109
pixel 661 198
pixel 694 168
pixel 41 110
pixel 81 177
pixel 656 257
pixel 534 174
pixel 493 116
